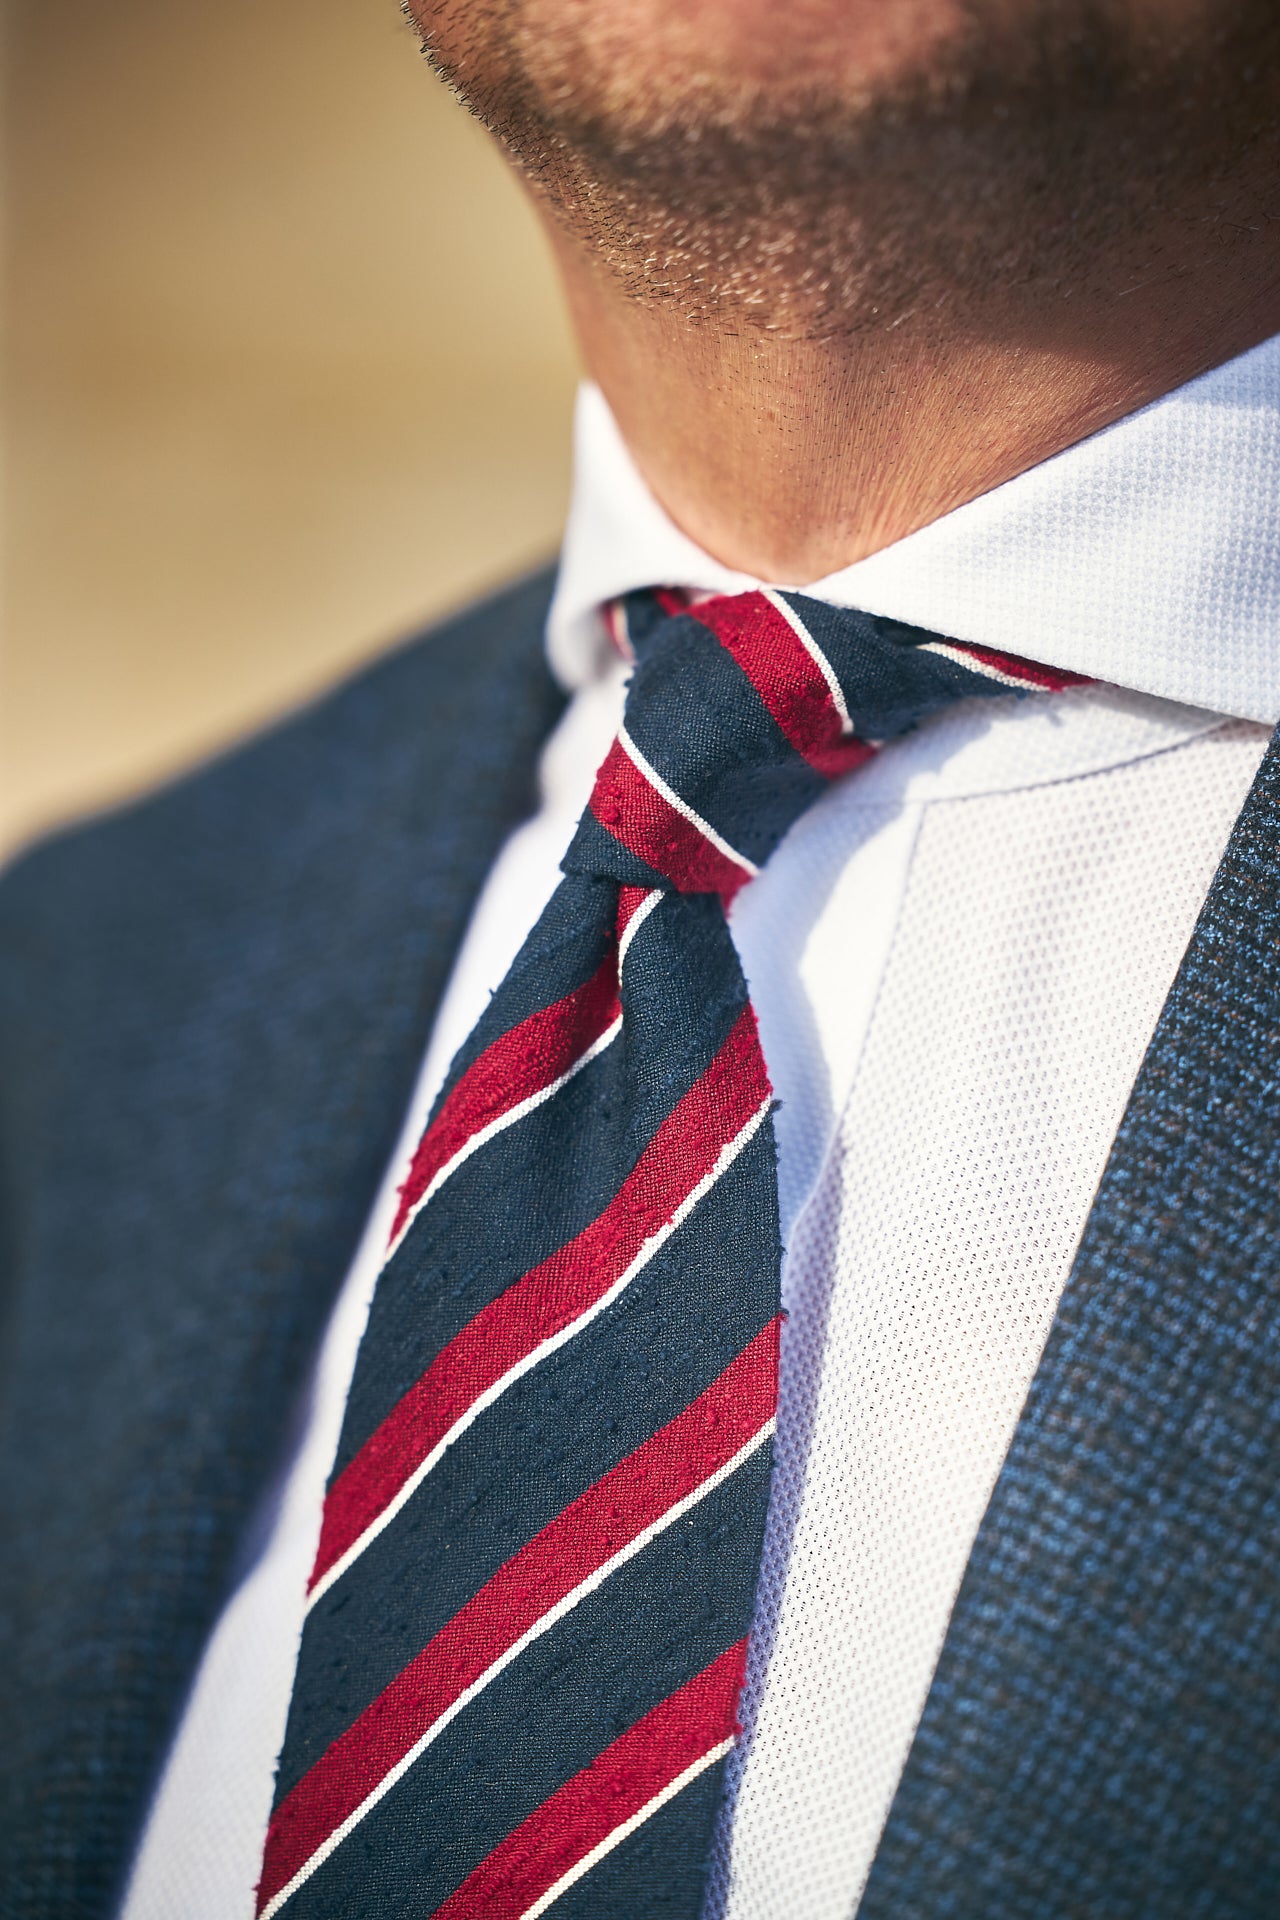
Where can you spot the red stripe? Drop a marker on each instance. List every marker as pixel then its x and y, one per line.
pixel 636 814
pixel 604 1796
pixel 533 1055
pixel 630 901
pixel 682 1152
pixel 596 1526
pixel 615 620
pixel 787 678
pixel 1051 679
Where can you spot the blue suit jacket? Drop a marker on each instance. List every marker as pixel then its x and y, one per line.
pixel 212 1008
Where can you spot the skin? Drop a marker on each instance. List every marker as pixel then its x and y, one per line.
pixel 842 265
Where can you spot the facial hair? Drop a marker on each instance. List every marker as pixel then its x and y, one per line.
pixel 1011 162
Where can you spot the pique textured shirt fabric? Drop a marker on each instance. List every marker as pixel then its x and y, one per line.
pixel 957 961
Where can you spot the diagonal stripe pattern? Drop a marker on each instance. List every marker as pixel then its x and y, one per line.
pixel 527 1619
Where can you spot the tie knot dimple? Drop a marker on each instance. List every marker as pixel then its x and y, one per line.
pixel 741 708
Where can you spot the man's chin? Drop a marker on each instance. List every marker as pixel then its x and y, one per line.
pixel 630 67
pixel 832 164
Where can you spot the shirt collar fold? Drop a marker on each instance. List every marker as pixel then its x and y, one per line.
pixel 1147 555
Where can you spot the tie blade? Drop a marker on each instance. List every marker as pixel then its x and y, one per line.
pixel 542 1536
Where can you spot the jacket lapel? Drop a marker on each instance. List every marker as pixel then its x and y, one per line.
pixel 1103 1732
pixel 212 1010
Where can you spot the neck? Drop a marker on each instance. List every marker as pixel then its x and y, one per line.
pixel 789 458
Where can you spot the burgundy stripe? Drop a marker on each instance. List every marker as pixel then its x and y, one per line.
pixel 787 678
pixel 647 825
pixel 630 901
pixel 615 620
pixel 1051 679
pixel 533 1055
pixel 595 1527
pixel 605 1795
pixel 682 1152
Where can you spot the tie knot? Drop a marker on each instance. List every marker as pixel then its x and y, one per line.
pixel 740 709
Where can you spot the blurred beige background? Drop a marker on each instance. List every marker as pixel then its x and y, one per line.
pixel 286 372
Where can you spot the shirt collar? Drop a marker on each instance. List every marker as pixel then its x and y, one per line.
pixel 1147 555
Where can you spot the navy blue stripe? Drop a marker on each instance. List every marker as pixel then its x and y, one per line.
pixel 656 1623
pixel 508 1207
pixel 536 1185
pixel 660 1871
pixel 645 619
pixel 593 849
pixel 564 950
pixel 682 993
pixel 700 1301
pixel 889 685
pixel 702 726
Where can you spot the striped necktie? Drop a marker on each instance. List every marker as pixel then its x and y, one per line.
pixel 527 1621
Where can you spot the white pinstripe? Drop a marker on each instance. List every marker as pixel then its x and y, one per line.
pixel 962 659
pixel 816 654
pixel 682 807
pixel 405 1492
pixel 627 1828
pixel 541 1626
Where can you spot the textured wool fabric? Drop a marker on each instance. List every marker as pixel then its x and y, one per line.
pixel 211 1009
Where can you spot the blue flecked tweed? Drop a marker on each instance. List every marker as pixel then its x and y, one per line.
pixel 1102 1740
pixel 212 1008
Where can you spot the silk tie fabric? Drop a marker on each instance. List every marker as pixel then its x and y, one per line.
pixel 528 1617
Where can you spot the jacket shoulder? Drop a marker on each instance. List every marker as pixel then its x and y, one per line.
pixel 213 1004
pixel 360 751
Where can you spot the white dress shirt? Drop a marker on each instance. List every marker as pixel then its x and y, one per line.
pixel 957 958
